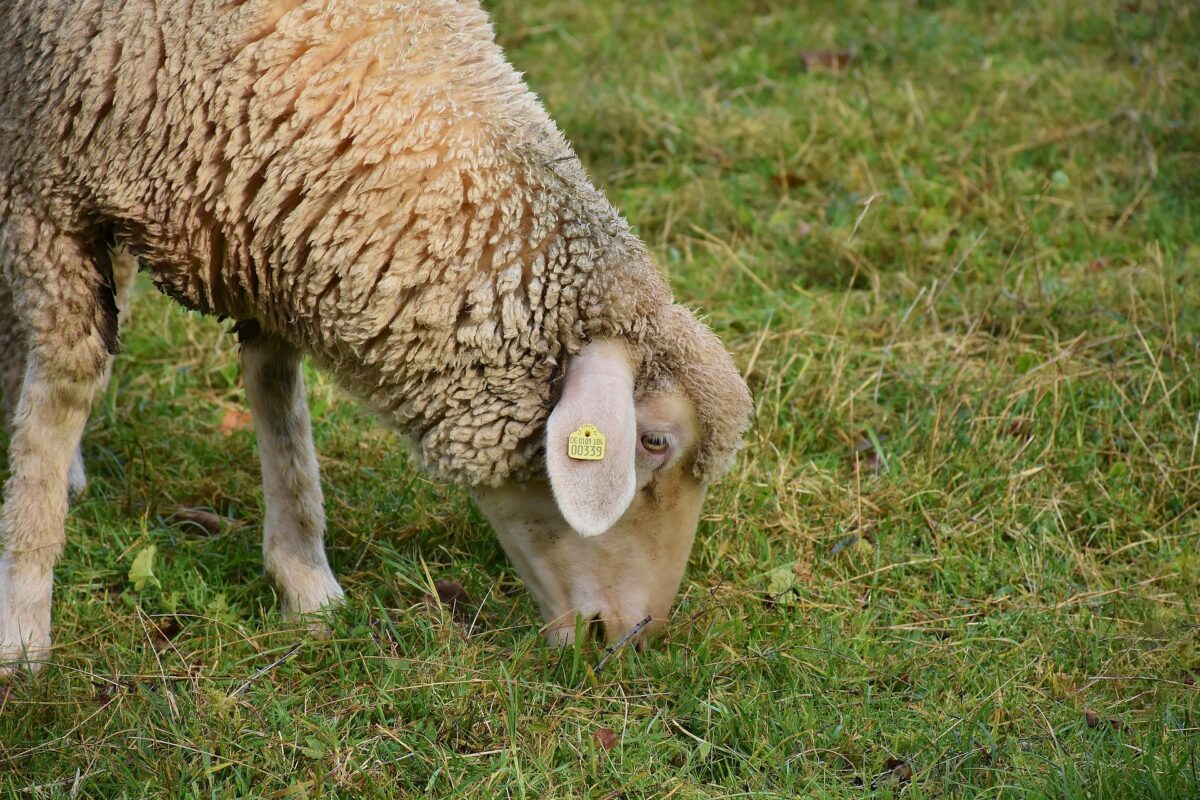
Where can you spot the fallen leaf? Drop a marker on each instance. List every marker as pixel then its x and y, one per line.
pixel 235 419
pixel 826 60
pixel 788 179
pixel 1188 678
pixel 166 628
pixel 141 572
pixel 1097 265
pixel 605 738
pixel 1094 720
pixel 781 580
pixel 106 693
pixel 218 609
pixel 202 519
pixel 452 594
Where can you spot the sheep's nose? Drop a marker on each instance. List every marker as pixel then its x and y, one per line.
pixel 632 630
pixel 611 629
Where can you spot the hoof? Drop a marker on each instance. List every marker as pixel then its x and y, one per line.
pixel 24 618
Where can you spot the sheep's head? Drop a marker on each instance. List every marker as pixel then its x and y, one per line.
pixel 607 538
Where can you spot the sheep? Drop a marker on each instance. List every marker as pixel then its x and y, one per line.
pixel 373 185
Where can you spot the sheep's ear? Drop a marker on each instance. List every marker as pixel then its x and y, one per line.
pixel 593 492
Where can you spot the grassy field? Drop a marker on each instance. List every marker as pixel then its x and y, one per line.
pixel 953 247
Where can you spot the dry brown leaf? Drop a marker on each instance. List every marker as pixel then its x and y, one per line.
pixel 1094 720
pixel 165 629
pixel 106 693
pixel 453 595
pixel 206 521
pixel 605 738
pixel 788 179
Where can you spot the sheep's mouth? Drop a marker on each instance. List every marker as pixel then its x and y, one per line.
pixel 612 632
pixel 623 634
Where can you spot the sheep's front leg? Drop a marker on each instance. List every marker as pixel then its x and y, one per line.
pixel 63 304
pixel 294 525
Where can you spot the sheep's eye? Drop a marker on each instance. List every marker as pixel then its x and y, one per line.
pixel 654 442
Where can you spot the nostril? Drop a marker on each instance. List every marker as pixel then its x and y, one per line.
pixel 623 631
pixel 595 628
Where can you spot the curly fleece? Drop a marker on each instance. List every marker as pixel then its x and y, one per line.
pixel 371 181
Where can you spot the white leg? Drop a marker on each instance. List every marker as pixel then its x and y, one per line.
pixel 294 524
pixel 57 291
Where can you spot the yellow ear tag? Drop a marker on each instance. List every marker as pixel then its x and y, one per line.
pixel 586 443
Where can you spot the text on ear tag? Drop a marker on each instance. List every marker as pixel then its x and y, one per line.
pixel 586 443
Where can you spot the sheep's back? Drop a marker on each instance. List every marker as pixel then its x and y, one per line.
pixel 371 180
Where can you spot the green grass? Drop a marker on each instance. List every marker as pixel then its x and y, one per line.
pixel 962 278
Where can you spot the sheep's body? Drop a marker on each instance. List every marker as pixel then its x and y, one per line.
pixel 372 181
pixel 369 182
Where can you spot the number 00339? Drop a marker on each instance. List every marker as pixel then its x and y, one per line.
pixel 586 450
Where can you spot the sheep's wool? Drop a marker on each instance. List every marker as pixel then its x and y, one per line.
pixel 371 181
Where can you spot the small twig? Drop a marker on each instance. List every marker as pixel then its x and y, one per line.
pixel 238 691
pixel 621 642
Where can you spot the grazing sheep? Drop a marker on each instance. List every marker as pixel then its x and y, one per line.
pixel 370 183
